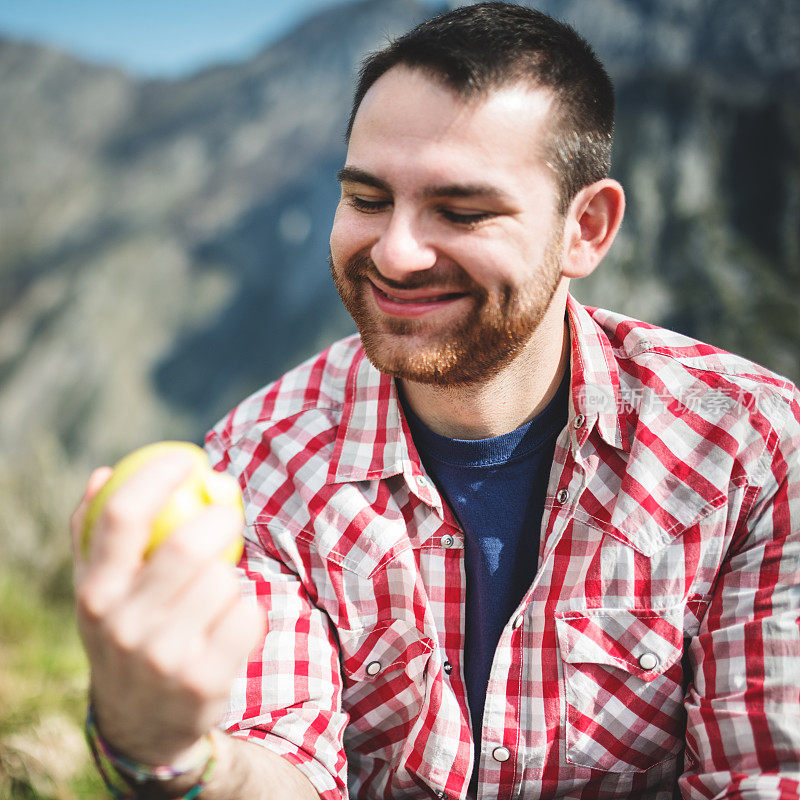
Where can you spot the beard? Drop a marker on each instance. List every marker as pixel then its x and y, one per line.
pixel 473 350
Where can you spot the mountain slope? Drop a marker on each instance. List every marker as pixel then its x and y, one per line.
pixel 163 244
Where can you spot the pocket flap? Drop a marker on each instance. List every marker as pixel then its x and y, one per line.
pixel 371 652
pixel 643 642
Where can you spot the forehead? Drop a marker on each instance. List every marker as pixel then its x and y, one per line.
pixel 410 120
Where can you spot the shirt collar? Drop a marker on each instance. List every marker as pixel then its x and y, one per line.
pixel 595 390
pixel 373 439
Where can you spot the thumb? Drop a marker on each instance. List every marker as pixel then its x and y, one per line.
pixel 97 480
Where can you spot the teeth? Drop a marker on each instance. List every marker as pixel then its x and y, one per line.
pixel 420 299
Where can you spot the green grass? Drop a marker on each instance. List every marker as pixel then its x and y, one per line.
pixel 43 681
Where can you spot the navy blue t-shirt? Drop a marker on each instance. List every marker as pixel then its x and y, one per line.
pixel 496 487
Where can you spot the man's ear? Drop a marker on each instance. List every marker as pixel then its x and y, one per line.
pixel 591 225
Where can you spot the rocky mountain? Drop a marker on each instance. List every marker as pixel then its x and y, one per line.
pixel 163 244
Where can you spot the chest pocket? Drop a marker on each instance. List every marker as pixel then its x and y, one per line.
pixel 623 686
pixel 385 677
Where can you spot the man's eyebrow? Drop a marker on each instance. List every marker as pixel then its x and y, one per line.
pixel 464 190
pixel 356 175
pixel 483 190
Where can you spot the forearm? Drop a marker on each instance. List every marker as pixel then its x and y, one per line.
pixel 243 770
pixel 166 636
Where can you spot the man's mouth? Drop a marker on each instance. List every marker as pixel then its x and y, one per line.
pixel 424 297
pixel 413 302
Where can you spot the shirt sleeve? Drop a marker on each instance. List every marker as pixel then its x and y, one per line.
pixel 287 697
pixel 743 707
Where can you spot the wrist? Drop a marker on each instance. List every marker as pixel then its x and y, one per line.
pixel 149 739
pixel 125 778
pixel 190 784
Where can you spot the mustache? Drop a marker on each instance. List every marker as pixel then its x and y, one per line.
pixel 361 267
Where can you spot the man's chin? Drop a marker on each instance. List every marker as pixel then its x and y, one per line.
pixel 457 363
pixel 411 359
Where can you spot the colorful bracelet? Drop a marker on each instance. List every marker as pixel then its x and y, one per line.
pixel 119 773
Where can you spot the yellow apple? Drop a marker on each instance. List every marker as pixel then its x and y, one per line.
pixel 203 486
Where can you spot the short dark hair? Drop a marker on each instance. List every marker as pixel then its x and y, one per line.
pixel 476 48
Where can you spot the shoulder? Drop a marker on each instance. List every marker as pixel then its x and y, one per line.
pixel 684 387
pixel 669 361
pixel 299 412
pixel 318 383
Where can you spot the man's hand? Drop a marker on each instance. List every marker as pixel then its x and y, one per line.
pixel 165 636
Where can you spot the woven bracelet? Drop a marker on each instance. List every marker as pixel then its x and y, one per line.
pixel 118 772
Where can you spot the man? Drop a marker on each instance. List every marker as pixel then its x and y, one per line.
pixel 504 546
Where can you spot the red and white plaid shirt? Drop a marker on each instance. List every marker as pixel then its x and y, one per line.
pixel 658 647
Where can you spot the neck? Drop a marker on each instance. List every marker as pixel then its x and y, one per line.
pixel 509 399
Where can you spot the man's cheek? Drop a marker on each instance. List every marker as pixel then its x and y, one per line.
pixel 334 241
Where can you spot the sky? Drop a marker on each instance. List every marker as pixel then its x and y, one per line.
pixel 155 38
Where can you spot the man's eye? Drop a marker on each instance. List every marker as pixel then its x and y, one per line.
pixel 465 218
pixel 368 206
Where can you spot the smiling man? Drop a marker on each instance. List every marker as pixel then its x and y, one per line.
pixel 505 546
pixel 447 251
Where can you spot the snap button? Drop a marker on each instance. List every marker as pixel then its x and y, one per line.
pixel 648 661
pixel 501 754
pixel 518 620
pixel 578 421
pixel 422 480
pixel 448 667
pixel 440 794
pixel 562 496
pixel 373 668
pixel 448 541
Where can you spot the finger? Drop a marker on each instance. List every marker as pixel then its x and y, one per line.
pixel 206 536
pixel 122 532
pixel 188 549
pixel 97 480
pixel 180 635
pixel 234 635
pixel 170 591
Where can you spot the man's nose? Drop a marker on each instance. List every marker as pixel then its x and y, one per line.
pixel 402 248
